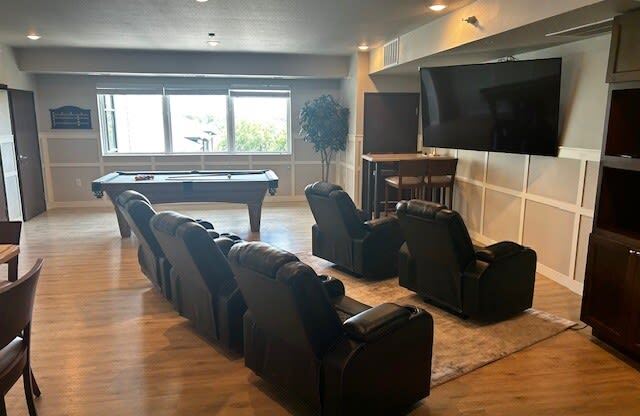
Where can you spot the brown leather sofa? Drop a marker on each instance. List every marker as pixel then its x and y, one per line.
pixel 206 289
pixel 302 333
pixel 440 263
pixel 343 236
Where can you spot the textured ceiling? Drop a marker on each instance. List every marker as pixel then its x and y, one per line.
pixel 289 26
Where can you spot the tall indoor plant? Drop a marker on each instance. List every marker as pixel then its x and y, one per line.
pixel 325 123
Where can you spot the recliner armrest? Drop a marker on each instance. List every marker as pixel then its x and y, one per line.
pixel 376 322
pixel 381 223
pixel 332 286
pixel 498 251
pixel 363 215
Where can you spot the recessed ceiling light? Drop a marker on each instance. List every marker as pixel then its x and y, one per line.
pixel 202 1
pixel 438 6
pixel 33 36
pixel 363 47
pixel 212 40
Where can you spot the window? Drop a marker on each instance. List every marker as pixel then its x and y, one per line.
pixel 195 121
pixel 199 123
pixel 260 121
pixel 132 123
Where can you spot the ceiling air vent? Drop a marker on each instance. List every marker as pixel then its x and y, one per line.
pixel 391 53
pixel 585 31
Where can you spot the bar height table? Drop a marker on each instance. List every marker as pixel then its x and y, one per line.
pixel 9 254
pixel 374 160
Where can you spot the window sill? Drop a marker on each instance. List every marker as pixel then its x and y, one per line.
pixel 197 154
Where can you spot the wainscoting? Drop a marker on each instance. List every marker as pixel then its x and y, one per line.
pixel 349 166
pixel 542 202
pixel 71 160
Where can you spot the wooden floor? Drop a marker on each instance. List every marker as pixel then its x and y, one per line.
pixel 105 343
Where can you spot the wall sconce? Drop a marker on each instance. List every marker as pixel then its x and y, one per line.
pixel 472 20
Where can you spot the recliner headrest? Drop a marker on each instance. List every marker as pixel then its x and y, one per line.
pixel 423 209
pixel 130 195
pixel 137 206
pixel 295 270
pixel 260 257
pixel 321 188
pixel 168 222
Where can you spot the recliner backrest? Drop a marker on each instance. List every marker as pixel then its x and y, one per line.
pixel 285 297
pixel 138 214
pixel 334 211
pixel 193 253
pixel 440 245
pixel 137 211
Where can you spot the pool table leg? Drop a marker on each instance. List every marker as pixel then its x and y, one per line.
pixel 125 231
pixel 255 212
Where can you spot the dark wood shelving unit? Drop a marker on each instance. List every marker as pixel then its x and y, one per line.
pixel 624 60
pixel 611 299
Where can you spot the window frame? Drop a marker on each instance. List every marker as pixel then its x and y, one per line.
pixel 166 92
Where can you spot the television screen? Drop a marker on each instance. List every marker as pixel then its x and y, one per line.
pixel 510 107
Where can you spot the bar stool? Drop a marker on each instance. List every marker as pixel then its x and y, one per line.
pixel 440 178
pixel 411 176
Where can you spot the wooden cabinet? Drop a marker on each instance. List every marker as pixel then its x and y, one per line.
pixel 611 290
pixel 624 58
pixel 611 299
pixel 634 297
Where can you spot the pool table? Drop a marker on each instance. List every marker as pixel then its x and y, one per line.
pixel 236 186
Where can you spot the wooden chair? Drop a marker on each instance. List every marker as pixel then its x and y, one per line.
pixel 411 176
pixel 16 310
pixel 440 178
pixel 10 234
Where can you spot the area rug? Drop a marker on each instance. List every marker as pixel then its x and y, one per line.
pixel 460 346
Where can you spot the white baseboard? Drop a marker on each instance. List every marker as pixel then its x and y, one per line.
pixel 98 203
pixel 546 271
pixel 106 203
pixel 560 278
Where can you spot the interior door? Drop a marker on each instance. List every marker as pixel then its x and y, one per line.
pixel 25 132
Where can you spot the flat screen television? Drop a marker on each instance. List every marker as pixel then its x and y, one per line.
pixel 510 107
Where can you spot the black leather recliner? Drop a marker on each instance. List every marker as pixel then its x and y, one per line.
pixel 343 236
pixel 137 211
pixel 300 332
pixel 440 263
pixel 206 291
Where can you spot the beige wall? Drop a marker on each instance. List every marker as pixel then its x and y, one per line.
pixel 9 72
pixel 583 95
pixel 353 88
pixel 495 17
pixel 171 63
pixel 72 159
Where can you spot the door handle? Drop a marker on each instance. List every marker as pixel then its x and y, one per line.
pixel 23 157
pixel 634 252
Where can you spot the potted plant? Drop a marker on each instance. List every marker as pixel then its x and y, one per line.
pixel 325 123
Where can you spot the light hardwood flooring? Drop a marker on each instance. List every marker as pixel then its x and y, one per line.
pixel 105 343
